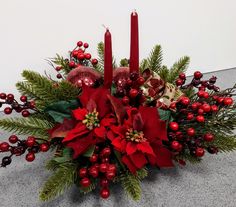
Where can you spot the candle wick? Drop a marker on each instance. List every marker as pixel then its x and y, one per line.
pixel 134 12
pixel 107 28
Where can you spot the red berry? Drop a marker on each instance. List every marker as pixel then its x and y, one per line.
pixel 214 108
pixel 79 44
pixel 4 146
pixel 32 104
pixel 93 171
pixel 71 64
pixel 110 175
pixel 23 98
pixel 200 118
pixel 199 152
pixel 185 101
pixel 104 182
pixel 179 82
pixel 8 110
pixel 103 167
pixel 174 126
pixel 125 100
pixel 112 167
pixel 194 106
pixel 30 157
pixel 59 76
pixel 105 193
pixel 228 101
pixel 93 158
pixel 105 160
pixel 205 95
pixel 190 131
pixel 75 53
pixel 206 107
pixel 190 116
pixel 129 82
pixel 25 113
pixel 182 76
pixel 182 162
pixel 202 88
pixel 133 93
pixel 85 182
pixel 106 152
pixel 30 142
pixel 140 81
pixel 10 97
pixel 200 111
pixel 94 61
pixel 173 105
pixel 81 56
pixel 220 100
pixel 44 147
pixel 200 94
pixel 197 75
pixel 58 68
pixel 86 45
pixel 3 96
pixel 175 145
pixel 208 137
pixel 13 139
pixel 87 56
pixel 83 172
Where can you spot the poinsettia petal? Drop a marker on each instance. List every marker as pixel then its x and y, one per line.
pixel 138 159
pixel 80 113
pixel 131 148
pixel 100 131
pixel 117 144
pixel 85 95
pixel 145 148
pixel 107 121
pixel 78 131
pixel 110 135
pixel 129 164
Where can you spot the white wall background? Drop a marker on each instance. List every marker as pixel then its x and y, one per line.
pixel 31 31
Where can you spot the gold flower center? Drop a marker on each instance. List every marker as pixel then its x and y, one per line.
pixel 135 136
pixel 91 120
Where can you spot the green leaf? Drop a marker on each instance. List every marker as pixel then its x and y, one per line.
pixel 89 152
pixel 61 110
pixel 66 156
pixel 165 115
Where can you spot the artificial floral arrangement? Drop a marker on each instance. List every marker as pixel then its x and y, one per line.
pixel 107 124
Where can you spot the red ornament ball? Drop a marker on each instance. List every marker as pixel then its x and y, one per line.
pixel 174 126
pixel 13 139
pixel 30 142
pixel 228 101
pixel 23 98
pixel 197 75
pixel 200 118
pixel 105 193
pixel 133 93
pixel 4 146
pixel 191 132
pixel 83 172
pixel 85 182
pixel 199 152
pixel 209 137
pixel 30 157
pixel 79 44
pixel 44 147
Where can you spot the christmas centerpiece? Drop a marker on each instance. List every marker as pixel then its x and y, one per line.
pixel 106 124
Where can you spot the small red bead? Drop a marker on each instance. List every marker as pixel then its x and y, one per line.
pixel 199 152
pixel 94 61
pixel 133 93
pixel 86 45
pixel 3 96
pixel 44 147
pixel 182 76
pixel 30 157
pixel 85 182
pixel 200 118
pixel 179 82
pixel 83 172
pixel 209 137
pixel 79 44
pixel 88 56
pixel 104 182
pixel 10 97
pixel 71 64
pixel 8 110
pixel 185 101
pixel 140 81
pixel 25 113
pixel 30 142
pixel 13 139
pixel 81 56
pixel 23 98
pixel 103 167
pixel 4 146
pixel 197 75
pixel 93 158
pixel 228 101
pixel 174 126
pixel 190 131
pixel 105 193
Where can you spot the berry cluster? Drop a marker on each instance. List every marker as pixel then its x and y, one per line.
pixel 100 168
pixel 78 56
pixel 32 145
pixel 195 113
pixel 22 108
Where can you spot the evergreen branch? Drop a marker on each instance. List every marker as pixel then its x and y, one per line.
pixel 26 126
pixel 188 157
pixel 164 73
pixel 26 89
pixel 142 173
pixel 61 180
pixel 143 65
pixel 88 189
pixel 178 67
pixel 67 91
pixel 155 59
pixel 64 63
pixel 52 165
pixel 124 62
pixel 131 185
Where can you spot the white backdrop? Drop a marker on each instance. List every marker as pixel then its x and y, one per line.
pixel 32 31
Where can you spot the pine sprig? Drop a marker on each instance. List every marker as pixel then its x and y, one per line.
pixel 143 65
pixel 67 91
pixel 164 73
pixel 155 59
pixel 26 89
pixel 178 67
pixel 188 157
pixel 59 60
pixel 142 173
pixel 52 165
pixel 26 126
pixel 131 185
pixel 61 180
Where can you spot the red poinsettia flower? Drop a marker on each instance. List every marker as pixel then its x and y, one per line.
pixel 92 118
pixel 139 139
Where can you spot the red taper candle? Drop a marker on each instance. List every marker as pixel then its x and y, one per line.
pixel 134 44
pixel 108 70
